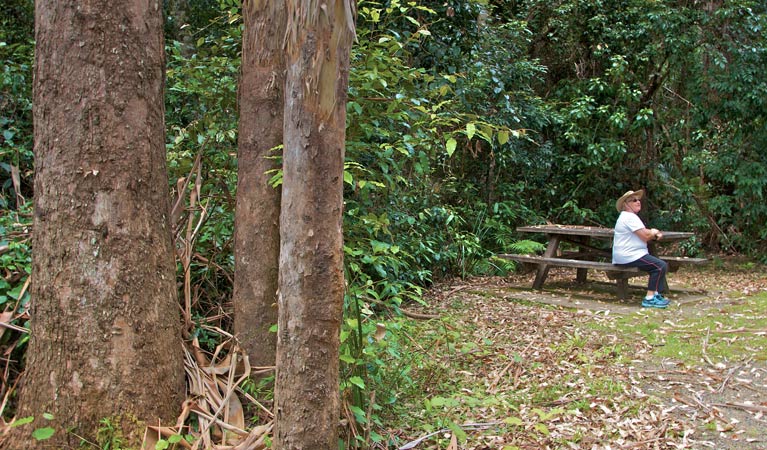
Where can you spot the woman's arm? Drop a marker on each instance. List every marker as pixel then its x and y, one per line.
pixel 649 234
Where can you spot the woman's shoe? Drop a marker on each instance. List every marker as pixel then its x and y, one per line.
pixel 661 299
pixel 654 303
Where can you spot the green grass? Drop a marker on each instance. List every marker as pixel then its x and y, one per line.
pixel 733 332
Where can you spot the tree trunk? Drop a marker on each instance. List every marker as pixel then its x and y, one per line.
pixel 257 214
pixel 311 292
pixel 105 329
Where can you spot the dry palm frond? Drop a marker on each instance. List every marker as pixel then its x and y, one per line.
pixel 215 398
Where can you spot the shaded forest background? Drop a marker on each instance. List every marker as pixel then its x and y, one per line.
pixel 465 119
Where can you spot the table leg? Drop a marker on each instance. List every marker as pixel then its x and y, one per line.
pixel 623 287
pixel 580 274
pixel 543 269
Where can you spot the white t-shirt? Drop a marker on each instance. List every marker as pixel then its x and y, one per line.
pixel 627 246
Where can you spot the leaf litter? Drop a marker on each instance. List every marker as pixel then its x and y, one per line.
pixel 552 377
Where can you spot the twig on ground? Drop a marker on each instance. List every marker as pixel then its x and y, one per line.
pixel 743 406
pixel 415 315
pixel 705 347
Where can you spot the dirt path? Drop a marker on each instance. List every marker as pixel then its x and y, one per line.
pixel 707 405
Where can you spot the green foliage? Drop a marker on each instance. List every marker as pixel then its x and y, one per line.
pixel 109 436
pixel 527 247
pixel 40 433
pixel 16 265
pixel 201 118
pixel 16 52
pixel 671 103
pixel 173 442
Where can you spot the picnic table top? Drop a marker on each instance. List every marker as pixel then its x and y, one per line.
pixel 597 232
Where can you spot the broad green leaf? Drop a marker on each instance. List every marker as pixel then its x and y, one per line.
pixel 513 421
pixel 42 434
pixel 503 137
pixel 486 132
pixel 458 431
pixel 359 414
pixel 451 144
pixel 471 129
pixel 357 381
pixel 379 247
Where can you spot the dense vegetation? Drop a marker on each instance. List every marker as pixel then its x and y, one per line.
pixel 465 120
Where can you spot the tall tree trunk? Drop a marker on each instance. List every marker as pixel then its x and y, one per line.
pixel 104 314
pixel 257 215
pixel 307 400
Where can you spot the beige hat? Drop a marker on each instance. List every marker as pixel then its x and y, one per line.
pixel 637 194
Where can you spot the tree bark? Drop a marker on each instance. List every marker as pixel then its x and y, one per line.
pixel 307 403
pixel 105 330
pixel 257 213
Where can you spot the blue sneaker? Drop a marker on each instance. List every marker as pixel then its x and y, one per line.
pixel 661 299
pixel 654 302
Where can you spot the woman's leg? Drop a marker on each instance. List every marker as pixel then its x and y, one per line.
pixel 657 268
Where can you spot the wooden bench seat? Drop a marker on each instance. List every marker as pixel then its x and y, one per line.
pixel 618 273
pixel 575 263
pixel 674 262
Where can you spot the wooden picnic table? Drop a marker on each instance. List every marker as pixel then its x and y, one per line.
pixel 595 232
pixel 588 256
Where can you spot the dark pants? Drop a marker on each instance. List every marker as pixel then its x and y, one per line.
pixel 657 269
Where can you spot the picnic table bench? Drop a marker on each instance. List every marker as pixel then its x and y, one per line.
pixel 588 257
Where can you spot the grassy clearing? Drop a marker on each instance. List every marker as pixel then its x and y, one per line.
pixel 712 335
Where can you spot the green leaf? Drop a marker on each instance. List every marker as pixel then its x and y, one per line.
pixel 22 421
pixel 503 137
pixel 513 421
pixel 379 247
pixel 359 414
pixel 543 429
pixel 451 144
pixel 42 434
pixel 357 381
pixel 458 431
pixel 348 179
pixel 471 129
pixel 47 416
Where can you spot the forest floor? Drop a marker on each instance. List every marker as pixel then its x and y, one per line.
pixel 573 367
